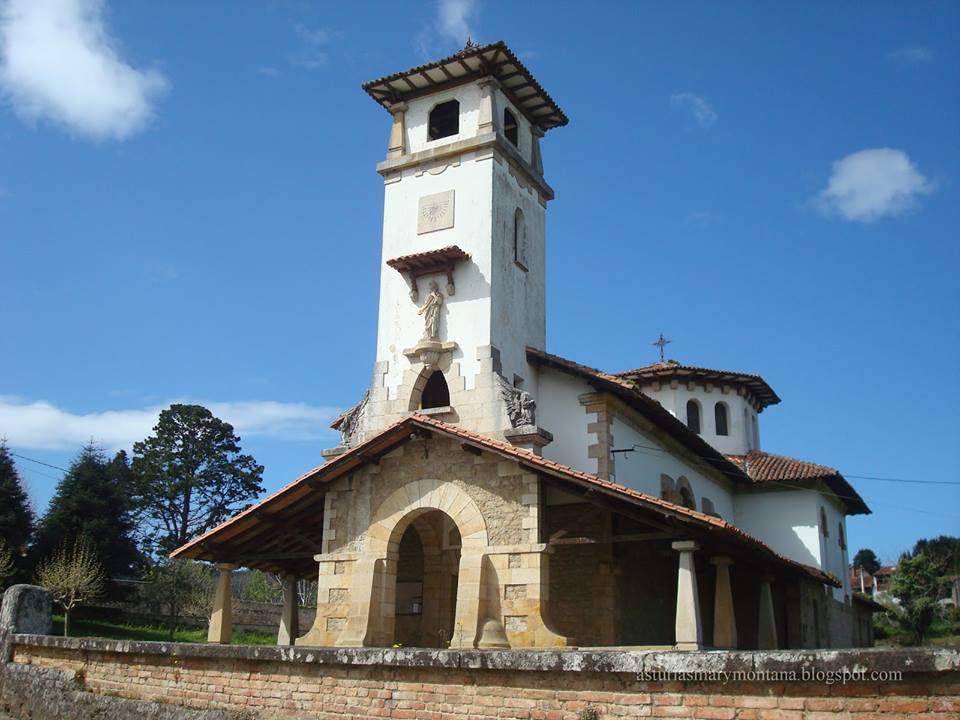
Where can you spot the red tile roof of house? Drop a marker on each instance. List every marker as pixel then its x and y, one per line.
pixel 671 370
pixel 403 430
pixel 646 406
pixel 764 467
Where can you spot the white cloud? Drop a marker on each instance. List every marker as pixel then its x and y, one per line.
pixel 43 426
pixel 911 55
pixel 59 63
pixel 871 184
pixel 313 51
pixel 451 27
pixel 454 18
pixel 699 109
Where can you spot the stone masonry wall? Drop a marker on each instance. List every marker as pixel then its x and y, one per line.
pixel 123 679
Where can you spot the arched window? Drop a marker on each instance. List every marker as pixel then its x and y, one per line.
pixel 824 528
pixel 693 416
pixel 668 489
pixel 444 120
pixel 519 239
pixel 510 129
pixel 841 536
pixel 720 418
pixel 436 394
pixel 687 498
pixel 707 508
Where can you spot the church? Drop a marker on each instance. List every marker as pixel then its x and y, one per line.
pixel 486 493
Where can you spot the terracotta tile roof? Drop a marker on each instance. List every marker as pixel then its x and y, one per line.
pixel 755 384
pixel 766 467
pixel 429 260
pixel 646 406
pixel 402 431
pixel 472 62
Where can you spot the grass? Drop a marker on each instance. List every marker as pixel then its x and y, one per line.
pixel 119 631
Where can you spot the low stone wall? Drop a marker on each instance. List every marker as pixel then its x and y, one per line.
pixel 48 677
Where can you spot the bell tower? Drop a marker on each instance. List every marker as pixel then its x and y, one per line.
pixel 464 233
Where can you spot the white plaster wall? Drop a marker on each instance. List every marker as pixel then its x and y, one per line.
pixel 418 114
pixel 642 468
pixel 835 558
pixel 466 316
pixel 738 442
pixel 519 296
pixel 560 412
pixel 786 520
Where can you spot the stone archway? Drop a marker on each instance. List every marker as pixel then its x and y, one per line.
pixel 373 587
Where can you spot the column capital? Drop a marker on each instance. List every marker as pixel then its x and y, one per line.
pixel 685 546
pixel 488 80
pixel 719 560
pixel 397 107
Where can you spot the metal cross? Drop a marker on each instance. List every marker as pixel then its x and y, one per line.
pixel 661 343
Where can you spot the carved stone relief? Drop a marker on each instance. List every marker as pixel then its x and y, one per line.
pixel 435 212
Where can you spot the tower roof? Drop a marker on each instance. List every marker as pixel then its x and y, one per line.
pixel 672 370
pixel 471 63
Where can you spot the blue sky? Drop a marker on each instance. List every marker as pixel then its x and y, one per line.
pixel 189 211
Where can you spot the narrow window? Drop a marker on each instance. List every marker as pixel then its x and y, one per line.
pixel 668 489
pixel 841 537
pixel 720 416
pixel 824 528
pixel 436 394
pixel 444 120
pixel 693 416
pixel 510 126
pixel 687 498
pixel 519 239
pixel 756 432
pixel 746 430
pixel 707 508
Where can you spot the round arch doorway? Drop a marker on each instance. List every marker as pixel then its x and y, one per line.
pixel 428 563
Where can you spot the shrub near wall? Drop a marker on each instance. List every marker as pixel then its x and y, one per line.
pixel 273 682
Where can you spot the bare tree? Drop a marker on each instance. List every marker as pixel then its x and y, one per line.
pixel 73 575
pixel 6 562
pixel 181 588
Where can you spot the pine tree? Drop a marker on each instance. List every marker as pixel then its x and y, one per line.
pixel 16 515
pixel 92 501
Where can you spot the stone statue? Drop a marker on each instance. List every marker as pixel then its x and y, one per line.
pixel 351 421
pixel 521 407
pixel 431 312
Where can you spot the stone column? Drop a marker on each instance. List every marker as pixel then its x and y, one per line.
pixel 397 145
pixel 221 620
pixel 470 600
pixel 767 627
pixel 724 622
pixel 290 615
pixel 487 120
pixel 689 632
pixel 536 158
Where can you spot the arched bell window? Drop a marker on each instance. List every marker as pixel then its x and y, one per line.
pixel 510 128
pixel 435 394
pixel 693 416
pixel 687 498
pixel 519 239
pixel 720 417
pixel 444 120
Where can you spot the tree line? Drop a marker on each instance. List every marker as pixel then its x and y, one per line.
pixel 116 517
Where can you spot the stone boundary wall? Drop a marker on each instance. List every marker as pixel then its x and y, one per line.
pixel 67 678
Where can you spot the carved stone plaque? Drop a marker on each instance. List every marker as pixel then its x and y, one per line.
pixel 435 212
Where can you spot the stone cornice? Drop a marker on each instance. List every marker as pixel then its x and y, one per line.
pixel 492 140
pixel 909 661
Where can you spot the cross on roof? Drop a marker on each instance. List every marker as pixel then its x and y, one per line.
pixel 661 343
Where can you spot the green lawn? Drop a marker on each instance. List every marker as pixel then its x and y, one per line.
pixel 117 631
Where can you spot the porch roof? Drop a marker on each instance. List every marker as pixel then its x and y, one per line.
pixel 270 534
